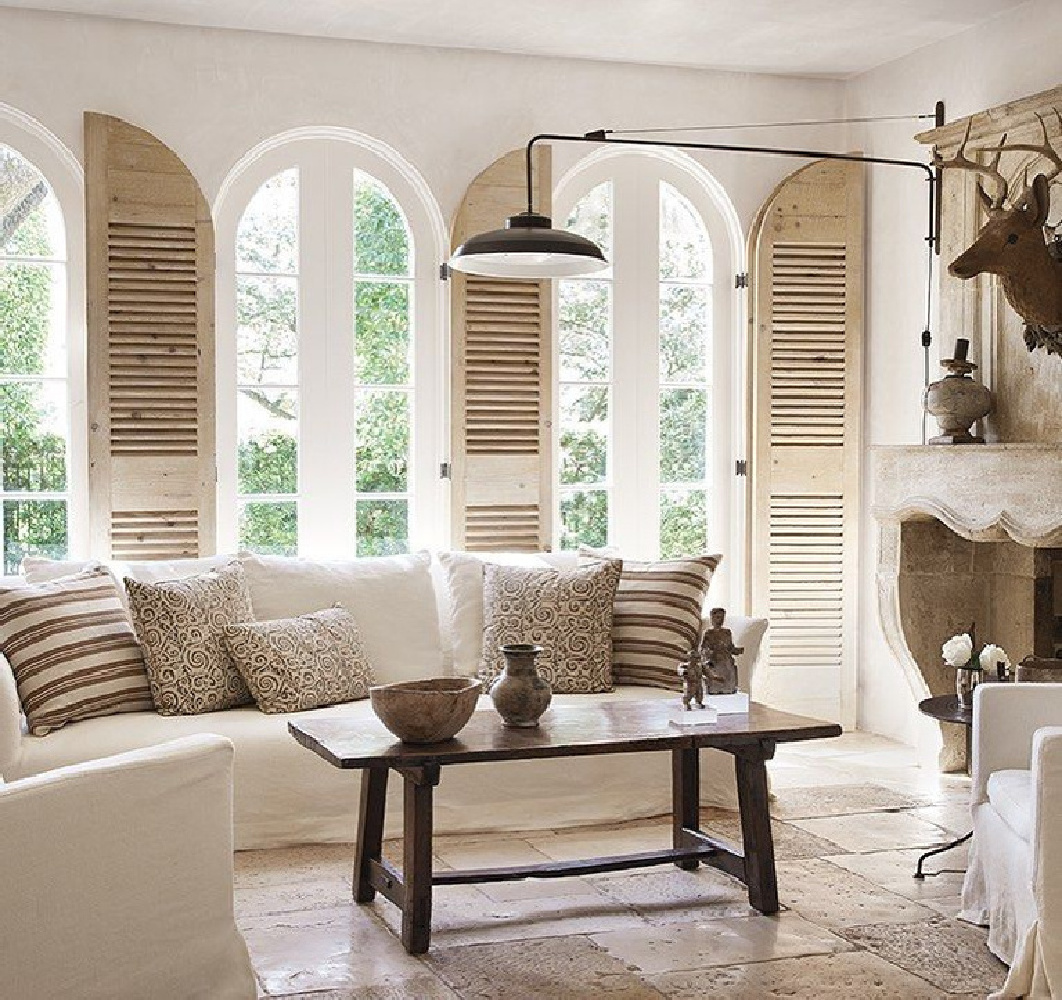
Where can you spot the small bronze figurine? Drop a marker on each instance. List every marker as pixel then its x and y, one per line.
pixel 717 652
pixel 692 674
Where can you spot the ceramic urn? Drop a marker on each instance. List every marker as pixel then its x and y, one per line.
pixel 957 401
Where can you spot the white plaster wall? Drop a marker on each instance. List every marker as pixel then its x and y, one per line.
pixel 1005 59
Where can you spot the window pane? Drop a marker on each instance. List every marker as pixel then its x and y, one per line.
pixel 584 518
pixel 270 528
pixel 683 426
pixel 383 527
pixel 381 461
pixel 268 237
pixel 32 225
pixel 33 527
pixel 267 456
pixel 584 434
pixel 683 523
pixel 684 248
pixel 684 326
pixel 381 238
pixel 33 425
pixel 381 333
pixel 592 217
pixel 585 324
pixel 267 334
pixel 32 321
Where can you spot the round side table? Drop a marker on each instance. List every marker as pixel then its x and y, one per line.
pixel 946 708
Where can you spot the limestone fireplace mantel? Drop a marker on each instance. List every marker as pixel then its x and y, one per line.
pixel 932 504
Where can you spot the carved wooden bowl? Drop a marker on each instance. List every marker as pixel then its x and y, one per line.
pixel 427 711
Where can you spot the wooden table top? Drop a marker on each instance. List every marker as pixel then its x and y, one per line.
pixel 946 708
pixel 569 730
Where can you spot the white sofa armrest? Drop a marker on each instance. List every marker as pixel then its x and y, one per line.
pixel 117 878
pixel 10 718
pixel 1005 718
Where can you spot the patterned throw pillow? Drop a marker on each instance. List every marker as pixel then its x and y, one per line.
pixel 179 624
pixel 72 650
pixel 657 617
pixel 568 613
pixel 291 664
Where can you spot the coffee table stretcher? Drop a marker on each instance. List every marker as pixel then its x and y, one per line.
pixel 410 889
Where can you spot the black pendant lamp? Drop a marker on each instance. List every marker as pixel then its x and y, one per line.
pixel 528 247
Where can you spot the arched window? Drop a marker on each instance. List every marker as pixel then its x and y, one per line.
pixel 646 413
pixel 328 284
pixel 41 454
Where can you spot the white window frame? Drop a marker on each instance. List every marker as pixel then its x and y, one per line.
pixel 634 444
pixel 326 159
pixel 61 169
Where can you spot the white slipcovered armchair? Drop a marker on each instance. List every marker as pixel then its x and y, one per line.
pixel 117 879
pixel 1014 880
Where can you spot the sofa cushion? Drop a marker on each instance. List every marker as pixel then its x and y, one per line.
pixel 568 613
pixel 657 617
pixel 1011 795
pixel 292 664
pixel 462 603
pixel 72 650
pixel 390 597
pixel 180 624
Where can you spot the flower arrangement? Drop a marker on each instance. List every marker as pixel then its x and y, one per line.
pixel 958 652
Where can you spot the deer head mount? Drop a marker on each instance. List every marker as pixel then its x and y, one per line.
pixel 1013 243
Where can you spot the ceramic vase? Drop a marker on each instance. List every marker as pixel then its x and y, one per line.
pixel 957 401
pixel 519 694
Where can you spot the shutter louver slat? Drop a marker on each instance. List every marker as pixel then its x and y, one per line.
pixel 151 348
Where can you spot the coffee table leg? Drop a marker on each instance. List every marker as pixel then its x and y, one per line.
pixel 416 856
pixel 370 830
pixel 685 800
pixel 751 766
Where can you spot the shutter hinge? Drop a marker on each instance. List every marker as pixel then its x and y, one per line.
pixel 444 271
pixel 445 469
pixel 741 280
pixel 741 467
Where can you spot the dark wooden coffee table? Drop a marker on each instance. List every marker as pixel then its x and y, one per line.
pixel 570 730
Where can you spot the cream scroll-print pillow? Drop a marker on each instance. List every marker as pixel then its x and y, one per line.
pixel 180 625
pixel 292 664
pixel 568 613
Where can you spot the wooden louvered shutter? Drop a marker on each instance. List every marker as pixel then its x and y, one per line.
pixel 807 356
pixel 501 336
pixel 150 258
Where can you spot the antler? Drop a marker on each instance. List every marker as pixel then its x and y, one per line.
pixel 991 170
pixel 1044 149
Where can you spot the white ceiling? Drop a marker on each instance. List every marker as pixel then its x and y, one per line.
pixel 812 37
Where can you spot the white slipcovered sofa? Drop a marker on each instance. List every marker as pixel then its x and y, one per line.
pixel 117 879
pixel 1014 880
pixel 284 794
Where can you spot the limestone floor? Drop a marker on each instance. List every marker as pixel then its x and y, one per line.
pixel 850 817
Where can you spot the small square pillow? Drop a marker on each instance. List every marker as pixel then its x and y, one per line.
pixel 568 613
pixel 291 664
pixel 657 617
pixel 179 624
pixel 72 650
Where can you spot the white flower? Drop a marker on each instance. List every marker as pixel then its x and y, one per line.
pixel 958 650
pixel 994 656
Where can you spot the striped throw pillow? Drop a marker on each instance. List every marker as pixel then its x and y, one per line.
pixel 656 619
pixel 72 650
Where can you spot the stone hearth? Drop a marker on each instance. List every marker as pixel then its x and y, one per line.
pixel 967 534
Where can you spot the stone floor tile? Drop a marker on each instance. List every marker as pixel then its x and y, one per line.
pixel 423 986
pixel 293 864
pixel 875 832
pixel 463 915
pixel 833 897
pixel 954 817
pixel 498 852
pixel 343 948
pixel 668 895
pixel 946 906
pixel 551 969
pixel 894 870
pixel 287 897
pixel 559 889
pixel 790 842
pixel 593 842
pixel 812 977
pixel 729 941
pixel 804 774
pixel 953 956
pixel 840 800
